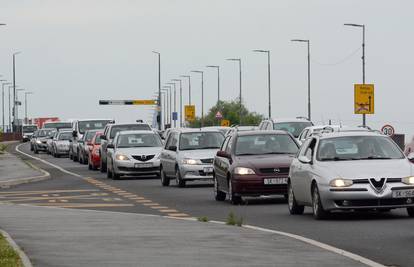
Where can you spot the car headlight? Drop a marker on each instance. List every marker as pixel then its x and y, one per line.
pixel 243 171
pixel 339 182
pixel 191 161
pixel 408 180
pixel 38 141
pixel 121 157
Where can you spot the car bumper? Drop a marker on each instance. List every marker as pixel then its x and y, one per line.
pixel 131 167
pixel 95 160
pixel 253 185
pixel 196 172
pixel 364 197
pixel 62 151
pixel 42 146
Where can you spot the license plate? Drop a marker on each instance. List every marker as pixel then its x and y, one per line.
pixel 143 165
pixel 270 181
pixel 403 193
pixel 208 169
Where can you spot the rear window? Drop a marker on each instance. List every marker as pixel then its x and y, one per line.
pixel 262 144
pixel 118 128
pixel 65 136
pixel 294 127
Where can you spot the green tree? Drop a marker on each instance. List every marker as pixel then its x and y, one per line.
pixel 230 111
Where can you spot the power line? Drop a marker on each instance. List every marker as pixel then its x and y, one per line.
pixel 340 61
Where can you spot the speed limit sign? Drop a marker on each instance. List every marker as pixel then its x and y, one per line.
pixel 388 130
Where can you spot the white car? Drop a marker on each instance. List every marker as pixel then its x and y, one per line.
pixel 350 170
pixel 308 131
pixel 294 126
pixel 134 153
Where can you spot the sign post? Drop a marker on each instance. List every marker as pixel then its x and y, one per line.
pixel 364 99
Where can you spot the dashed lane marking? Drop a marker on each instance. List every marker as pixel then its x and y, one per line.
pixel 169 211
pixel 158 207
pixel 178 215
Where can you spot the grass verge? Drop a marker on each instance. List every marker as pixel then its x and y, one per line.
pixel 8 257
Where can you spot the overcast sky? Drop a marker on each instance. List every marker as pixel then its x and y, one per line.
pixel 77 52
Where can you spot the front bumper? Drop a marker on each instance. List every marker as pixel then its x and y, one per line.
pixel 253 185
pixel 62 150
pixel 131 167
pixel 196 172
pixel 41 146
pixel 364 197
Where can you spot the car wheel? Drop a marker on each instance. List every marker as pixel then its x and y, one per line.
pixel 318 212
pixel 410 212
pixel 70 155
pixel 293 206
pixel 31 147
pixel 103 166
pixel 234 199
pixel 90 165
pixel 165 181
pixel 36 151
pixel 218 195
pixel 179 180
pixel 109 174
pixel 115 175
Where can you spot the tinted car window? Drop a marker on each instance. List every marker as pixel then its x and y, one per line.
pixel 43 133
pixel 65 136
pixel 58 125
pixel 201 140
pixel 139 140
pixel 92 125
pixel 118 128
pixel 261 144
pixel 29 128
pixel 295 127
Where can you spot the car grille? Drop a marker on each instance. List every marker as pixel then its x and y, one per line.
pixel 130 169
pixel 283 170
pixel 366 181
pixel 373 202
pixel 207 161
pixel 143 157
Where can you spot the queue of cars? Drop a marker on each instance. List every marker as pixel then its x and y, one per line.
pixel 329 168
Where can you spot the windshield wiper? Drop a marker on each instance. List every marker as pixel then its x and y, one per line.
pixel 208 147
pixel 337 159
pixel 375 157
pixel 276 153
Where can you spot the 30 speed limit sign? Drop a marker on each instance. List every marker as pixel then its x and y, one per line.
pixel 388 130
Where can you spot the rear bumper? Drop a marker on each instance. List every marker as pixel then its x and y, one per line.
pixel 254 186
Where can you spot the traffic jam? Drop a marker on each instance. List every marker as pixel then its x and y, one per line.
pixel 329 168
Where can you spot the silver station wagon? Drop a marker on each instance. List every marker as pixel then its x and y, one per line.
pixel 350 170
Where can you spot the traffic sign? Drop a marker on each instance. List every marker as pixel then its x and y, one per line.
pixel 364 99
pixel 189 112
pixel 219 116
pixel 388 130
pixel 175 116
pixel 225 123
pixel 127 102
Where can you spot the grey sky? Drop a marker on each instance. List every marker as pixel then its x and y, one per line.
pixel 77 52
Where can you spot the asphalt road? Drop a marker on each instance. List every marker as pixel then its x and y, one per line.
pixel 383 237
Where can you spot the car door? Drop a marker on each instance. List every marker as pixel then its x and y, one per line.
pixel 167 155
pixel 110 153
pixel 226 164
pixel 104 143
pixel 297 179
pixel 218 163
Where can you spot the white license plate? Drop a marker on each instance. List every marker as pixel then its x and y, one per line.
pixel 208 169
pixel 143 165
pixel 403 193
pixel 270 181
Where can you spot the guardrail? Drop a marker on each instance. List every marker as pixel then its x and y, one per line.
pixel 10 137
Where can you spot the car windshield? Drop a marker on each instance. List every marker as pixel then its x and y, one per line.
pixel 294 127
pixel 43 133
pixel 92 125
pixel 201 140
pixel 358 148
pixel 89 135
pixel 118 128
pixel 139 140
pixel 58 125
pixel 29 128
pixel 65 136
pixel 261 144
pixel 98 139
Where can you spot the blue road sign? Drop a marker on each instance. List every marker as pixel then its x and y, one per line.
pixel 175 116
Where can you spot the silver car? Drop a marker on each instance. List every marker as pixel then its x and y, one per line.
pixel 60 144
pixel 188 155
pixel 134 153
pixel 350 170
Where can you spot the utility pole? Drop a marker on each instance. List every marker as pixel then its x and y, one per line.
pixel 2 103
pixel 15 115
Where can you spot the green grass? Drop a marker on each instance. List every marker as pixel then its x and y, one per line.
pixel 2 148
pixel 233 220
pixel 8 257
pixel 203 219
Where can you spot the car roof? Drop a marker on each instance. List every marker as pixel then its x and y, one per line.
pixel 361 132
pixel 195 130
pixel 124 124
pixel 298 119
pixel 255 132
pixel 321 127
pixel 82 120
pixel 136 131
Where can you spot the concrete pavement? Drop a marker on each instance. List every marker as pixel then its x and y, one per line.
pixel 67 237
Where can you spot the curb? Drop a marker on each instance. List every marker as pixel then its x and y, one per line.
pixel 23 257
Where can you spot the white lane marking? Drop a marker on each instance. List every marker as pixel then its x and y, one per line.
pixel 47 162
pixel 321 245
pixel 23 257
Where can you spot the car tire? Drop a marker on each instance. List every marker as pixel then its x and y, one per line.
pixel 410 212
pixel 165 181
pixel 70 155
pixel 234 199
pixel 31 147
pixel 35 150
pixel 318 211
pixel 218 194
pixel 103 166
pixel 293 206
pixel 115 175
pixel 90 165
pixel 108 174
pixel 179 180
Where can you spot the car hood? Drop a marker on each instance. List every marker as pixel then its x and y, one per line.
pixel 139 150
pixel 264 161
pixel 395 168
pixel 199 154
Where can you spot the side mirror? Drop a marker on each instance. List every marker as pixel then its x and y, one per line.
pixel 410 157
pixel 305 160
pixel 74 134
pixel 111 146
pixel 223 154
pixel 172 148
pixel 103 137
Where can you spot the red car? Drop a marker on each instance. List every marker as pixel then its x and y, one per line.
pixel 94 158
pixel 254 164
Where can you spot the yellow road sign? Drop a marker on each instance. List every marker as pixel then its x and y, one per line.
pixel 144 102
pixel 364 99
pixel 189 112
pixel 225 123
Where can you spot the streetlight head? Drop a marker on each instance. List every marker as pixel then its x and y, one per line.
pixel 177 80
pixel 155 52
pixel 197 71
pixel 353 25
pixel 300 40
pixel 3 80
pixel 16 53
pixel 185 76
pixel 261 50
pixel 212 66
pixel 3 24
pixel 234 59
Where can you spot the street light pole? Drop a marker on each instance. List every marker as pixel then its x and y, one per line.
pixel 364 117
pixel 218 81
pixel 14 91
pixel 202 95
pixel 10 109
pixel 2 103
pixel 159 89
pixel 268 78
pixel 189 87
pixel 309 82
pixel 25 106
pixel 170 103
pixel 165 93
pixel 240 88
pixel 175 104
pixel 181 100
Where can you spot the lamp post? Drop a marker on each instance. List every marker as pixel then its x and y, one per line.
pixel 309 88
pixel 181 100
pixel 17 104
pixel 25 106
pixel 2 103
pixel 159 113
pixel 10 109
pixel 189 87
pixel 268 77
pixel 240 87
pixel 170 102
pixel 364 122
pixel 14 88
pixel 175 104
pixel 218 80
pixel 202 95
pixel 165 93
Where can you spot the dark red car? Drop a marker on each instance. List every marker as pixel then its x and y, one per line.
pixel 94 157
pixel 253 163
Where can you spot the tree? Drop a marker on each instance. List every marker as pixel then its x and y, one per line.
pixel 230 111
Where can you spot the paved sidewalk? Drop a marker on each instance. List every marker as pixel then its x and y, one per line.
pixel 14 171
pixel 68 237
